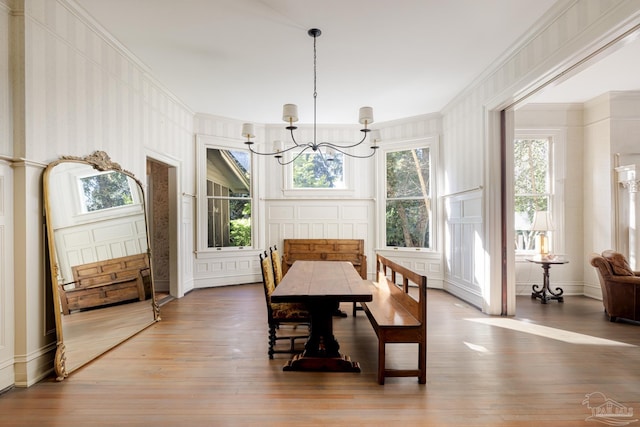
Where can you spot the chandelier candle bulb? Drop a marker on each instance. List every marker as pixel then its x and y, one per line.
pixel 366 115
pixel 374 137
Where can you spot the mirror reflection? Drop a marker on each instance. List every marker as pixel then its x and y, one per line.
pixel 99 254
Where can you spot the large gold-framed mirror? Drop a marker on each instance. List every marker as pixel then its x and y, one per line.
pixel 99 255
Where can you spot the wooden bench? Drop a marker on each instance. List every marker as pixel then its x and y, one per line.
pixel 397 317
pixel 351 250
pixel 105 282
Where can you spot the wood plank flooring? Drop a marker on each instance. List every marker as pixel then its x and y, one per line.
pixel 205 364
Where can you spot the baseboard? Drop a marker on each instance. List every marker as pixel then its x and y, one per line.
pixel 34 367
pixel 569 288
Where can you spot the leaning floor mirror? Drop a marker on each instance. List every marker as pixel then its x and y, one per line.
pixel 99 256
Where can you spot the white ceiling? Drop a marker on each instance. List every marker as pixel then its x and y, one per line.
pixel 246 58
pixel 617 70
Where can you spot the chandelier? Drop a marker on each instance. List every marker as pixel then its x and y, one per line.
pixel 327 150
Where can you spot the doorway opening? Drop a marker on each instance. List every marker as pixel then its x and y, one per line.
pixel 161 184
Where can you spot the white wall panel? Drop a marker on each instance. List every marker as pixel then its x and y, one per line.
pixel 326 219
pixel 6 127
pixel 426 263
pixel 464 225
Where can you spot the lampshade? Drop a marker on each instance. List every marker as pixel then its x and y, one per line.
pixel 366 115
pixel 290 113
pixel 542 221
pixel 247 130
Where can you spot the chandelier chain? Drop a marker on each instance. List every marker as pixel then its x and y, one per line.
pixel 315 91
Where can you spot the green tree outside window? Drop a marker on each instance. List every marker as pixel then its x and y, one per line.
pixel 105 191
pixel 408 198
pixel 532 187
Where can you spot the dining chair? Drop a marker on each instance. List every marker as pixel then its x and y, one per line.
pixel 292 315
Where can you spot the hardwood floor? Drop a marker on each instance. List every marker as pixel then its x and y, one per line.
pixel 205 364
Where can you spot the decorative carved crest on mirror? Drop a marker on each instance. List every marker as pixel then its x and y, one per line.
pixel 99 256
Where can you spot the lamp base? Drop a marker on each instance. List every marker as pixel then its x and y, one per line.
pixel 543 248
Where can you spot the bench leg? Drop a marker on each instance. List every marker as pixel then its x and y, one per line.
pixel 381 361
pixel 422 363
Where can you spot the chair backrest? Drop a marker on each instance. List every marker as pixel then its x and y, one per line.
pixel 603 268
pixel 267 279
pixel 618 263
pixel 276 262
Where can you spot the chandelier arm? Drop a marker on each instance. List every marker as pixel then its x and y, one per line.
pixel 259 153
pixel 373 151
pixel 283 163
pixel 336 146
pixel 274 153
pixel 293 138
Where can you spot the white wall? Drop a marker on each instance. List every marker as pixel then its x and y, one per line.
pixel 612 126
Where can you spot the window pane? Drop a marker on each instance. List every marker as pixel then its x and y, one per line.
pixel 313 170
pixel 106 190
pixel 408 173
pixel 408 201
pixel 532 187
pixel 408 223
pixel 229 223
pixel 531 166
pixel 525 208
pixel 228 194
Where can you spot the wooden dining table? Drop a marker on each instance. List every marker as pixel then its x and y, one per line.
pixel 321 286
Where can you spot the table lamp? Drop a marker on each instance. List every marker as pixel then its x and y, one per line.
pixel 542 224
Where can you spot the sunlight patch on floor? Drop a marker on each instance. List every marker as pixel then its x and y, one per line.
pixel 476 347
pixel 547 332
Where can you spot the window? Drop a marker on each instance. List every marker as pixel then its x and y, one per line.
pixel 104 191
pixel 533 190
pixel 313 170
pixel 408 198
pixel 228 193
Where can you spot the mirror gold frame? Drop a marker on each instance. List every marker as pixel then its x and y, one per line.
pixel 99 257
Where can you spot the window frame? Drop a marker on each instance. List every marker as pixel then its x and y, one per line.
pixel 291 191
pixel 202 230
pixel 431 142
pixel 84 210
pixel 556 170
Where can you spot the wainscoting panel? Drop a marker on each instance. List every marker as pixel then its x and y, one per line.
pixel 463 224
pixel 325 219
pixel 422 262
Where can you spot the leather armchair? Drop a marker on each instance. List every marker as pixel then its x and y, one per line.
pixel 620 285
